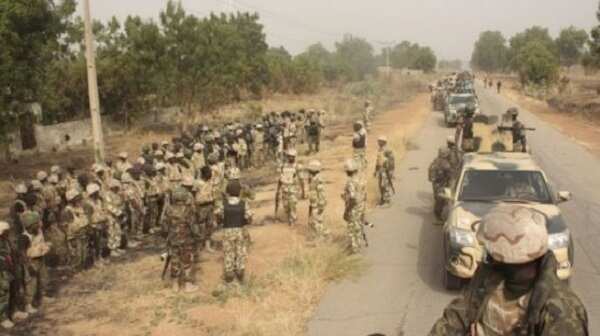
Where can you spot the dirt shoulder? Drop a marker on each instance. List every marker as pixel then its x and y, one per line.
pixel 577 126
pixel 288 273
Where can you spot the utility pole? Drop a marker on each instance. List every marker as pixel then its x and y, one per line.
pixel 90 55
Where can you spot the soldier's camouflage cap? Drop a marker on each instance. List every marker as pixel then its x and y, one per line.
pixel 382 138
pixel 36 185
pixel 314 166
pixel 72 194
pixel 198 146
pixel 21 188
pixel 514 234
pixel 123 155
pixel 92 188
pixel 42 175
pixel 55 169
pixel 30 217
pixel 158 153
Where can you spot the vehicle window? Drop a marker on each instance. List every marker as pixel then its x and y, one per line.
pixel 462 99
pixel 496 185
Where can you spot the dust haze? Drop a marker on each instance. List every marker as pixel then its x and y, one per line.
pixel 297 24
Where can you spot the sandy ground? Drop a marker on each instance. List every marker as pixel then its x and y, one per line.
pixel 128 297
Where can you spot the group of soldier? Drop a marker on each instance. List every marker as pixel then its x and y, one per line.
pixel 185 194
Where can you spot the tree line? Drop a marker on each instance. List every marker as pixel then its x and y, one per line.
pixel 196 63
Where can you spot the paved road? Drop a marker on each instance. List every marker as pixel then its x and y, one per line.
pixel 402 293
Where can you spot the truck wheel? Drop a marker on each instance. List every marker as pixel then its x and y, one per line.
pixel 452 282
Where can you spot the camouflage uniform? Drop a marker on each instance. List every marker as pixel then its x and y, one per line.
pixel 235 214
pixel 367 113
pixel 179 217
pixel 205 208
pixel 440 175
pixel 7 273
pixel 115 208
pixel 359 145
pixel 354 196
pixel 242 153
pixel 36 273
pixel 289 190
pixel 259 154
pixel 99 221
pixel 77 224
pixel 153 193
pixel 384 172
pixel 198 160
pixel 317 201
pixel 537 305
pixel 134 200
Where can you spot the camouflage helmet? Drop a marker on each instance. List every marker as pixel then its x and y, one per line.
pixel 71 194
pixel 513 111
pixel 234 173
pixel 179 194
pixel 164 143
pixel 42 175
pixel 158 153
pixel 30 217
pixel 36 185
pixel 350 165
pixel 55 169
pixel 450 140
pixel 188 181
pixel 358 125
pixel 382 138
pixel 198 146
pixel 4 226
pixel 92 188
pixel 123 155
pixel 21 188
pixel 314 166
pixel 292 152
pixel 514 234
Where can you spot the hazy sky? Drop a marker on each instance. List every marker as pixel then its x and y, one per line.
pixel 449 26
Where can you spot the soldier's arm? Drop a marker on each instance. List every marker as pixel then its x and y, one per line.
pixel 454 321
pixel 566 316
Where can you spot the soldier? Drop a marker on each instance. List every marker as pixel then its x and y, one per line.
pixel 122 165
pixel 288 186
pixel 7 274
pixel 115 208
pixel 152 199
pixel 258 140
pixel 384 171
pixel 180 235
pixel 518 131
pixel 317 200
pixel 234 215
pixel 440 175
pixel 133 198
pixel 98 218
pixel 359 145
pixel 77 224
pixel 174 171
pixel 36 273
pixel 516 290
pixel 205 206
pixel 354 196
pixel 455 158
pixel 198 158
pixel 313 132
pixel 367 113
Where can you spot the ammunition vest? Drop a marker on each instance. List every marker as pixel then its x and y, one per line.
pixel 233 215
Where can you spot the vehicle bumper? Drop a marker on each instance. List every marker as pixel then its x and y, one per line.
pixel 564 267
pixel 464 262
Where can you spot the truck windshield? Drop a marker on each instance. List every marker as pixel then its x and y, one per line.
pixel 497 185
pixel 455 100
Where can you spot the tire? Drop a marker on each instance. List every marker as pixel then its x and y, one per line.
pixel 452 282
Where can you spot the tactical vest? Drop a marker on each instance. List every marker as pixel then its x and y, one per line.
pixel 359 141
pixel 233 215
pixel 313 129
pixel 503 316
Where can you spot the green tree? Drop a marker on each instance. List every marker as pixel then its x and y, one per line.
pixel 425 60
pixel 537 64
pixel 355 58
pixel 490 53
pixel 591 59
pixel 571 44
pixel 520 40
pixel 452 65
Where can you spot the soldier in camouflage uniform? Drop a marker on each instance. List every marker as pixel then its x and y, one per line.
pixel 179 221
pixel 242 152
pixel 133 198
pixel 258 137
pixel 198 159
pixel 234 215
pixel 115 208
pixel 440 176
pixel 99 218
pixel 367 113
pixel 77 225
pixel 516 291
pixel 7 274
pixel 122 165
pixel 317 200
pixel 353 196
pixel 455 156
pixel 36 273
pixel 205 206
pixel 359 146
pixel 384 171
pixel 289 182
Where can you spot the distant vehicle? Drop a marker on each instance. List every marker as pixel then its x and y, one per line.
pixel 487 180
pixel 455 103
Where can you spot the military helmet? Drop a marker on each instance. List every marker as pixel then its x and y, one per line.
pixel 30 218
pixel 514 234
pixel 160 166
pixel 350 165
pixel 179 194
pixel 42 175
pixel 292 152
pixel 92 188
pixel 234 173
pixel 71 194
pixel 198 146
pixel 55 169
pixel 213 158
pixel 4 226
pixel 123 155
pixel 53 179
pixel 141 161
pixel 158 153
pixel 36 185
pixel 513 111
pixel 21 188
pixel 450 140
pixel 314 166
pixel 188 181
pixel 382 138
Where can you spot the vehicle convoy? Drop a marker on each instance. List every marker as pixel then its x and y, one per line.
pixel 457 102
pixel 485 181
